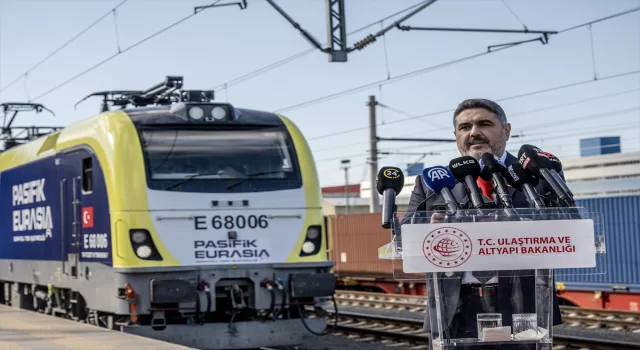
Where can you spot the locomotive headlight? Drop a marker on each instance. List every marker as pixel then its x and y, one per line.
pixel 313 232
pixel 308 247
pixel 218 113
pixel 196 113
pixel 139 236
pixel 144 251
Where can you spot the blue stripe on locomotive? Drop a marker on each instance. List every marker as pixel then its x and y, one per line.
pixel 31 209
pixel 29 212
pixel 621 223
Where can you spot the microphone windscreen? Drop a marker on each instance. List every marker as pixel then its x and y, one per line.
pixel 389 177
pixel 463 166
pixel 438 177
pixel 491 165
pixel 533 159
pixel 555 162
pixel 517 177
pixel 485 186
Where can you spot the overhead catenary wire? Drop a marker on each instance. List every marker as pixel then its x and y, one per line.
pixel 511 115
pixel 450 110
pixel 544 125
pixel 431 68
pixel 558 154
pixel 515 15
pixel 531 127
pixel 564 104
pixel 25 73
pixel 635 9
pixel 303 53
pixel 195 13
pixel 555 147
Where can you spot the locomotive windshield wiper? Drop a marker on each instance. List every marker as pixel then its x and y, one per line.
pixel 189 179
pixel 251 176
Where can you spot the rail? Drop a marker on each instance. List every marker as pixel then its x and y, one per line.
pixel 615 320
pixel 408 332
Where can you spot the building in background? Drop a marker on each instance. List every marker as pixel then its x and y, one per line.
pixel 335 200
pixel 603 175
pixel 599 145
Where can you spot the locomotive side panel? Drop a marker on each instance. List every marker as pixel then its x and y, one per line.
pixel 48 210
pixel 55 226
pixel 30 220
pixel 86 207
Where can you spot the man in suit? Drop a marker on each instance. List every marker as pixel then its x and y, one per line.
pixel 480 126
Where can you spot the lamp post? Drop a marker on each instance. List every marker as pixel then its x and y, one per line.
pixel 345 166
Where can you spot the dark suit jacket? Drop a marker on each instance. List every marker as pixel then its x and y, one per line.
pixel 423 199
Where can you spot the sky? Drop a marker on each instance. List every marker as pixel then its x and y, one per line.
pixel 583 83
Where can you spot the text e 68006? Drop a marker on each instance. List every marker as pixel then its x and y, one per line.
pixel 230 222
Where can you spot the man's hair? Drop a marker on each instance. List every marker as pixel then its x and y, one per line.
pixel 481 103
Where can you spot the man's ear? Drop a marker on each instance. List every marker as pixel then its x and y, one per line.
pixel 507 130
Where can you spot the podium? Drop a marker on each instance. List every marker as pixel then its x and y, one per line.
pixel 490 276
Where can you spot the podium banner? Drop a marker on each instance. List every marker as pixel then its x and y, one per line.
pixel 488 241
pixel 486 246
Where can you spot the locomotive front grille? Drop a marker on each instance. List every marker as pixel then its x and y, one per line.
pixel 173 291
pixel 307 285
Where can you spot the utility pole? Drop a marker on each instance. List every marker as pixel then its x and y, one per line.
pixel 374 202
pixel 345 166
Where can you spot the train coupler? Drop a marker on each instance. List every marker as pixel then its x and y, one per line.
pixel 237 297
pixel 158 320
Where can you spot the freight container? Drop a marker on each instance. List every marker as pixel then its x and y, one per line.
pixel 621 218
pixel 357 238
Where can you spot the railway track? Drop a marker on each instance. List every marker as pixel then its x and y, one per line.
pixel 613 320
pixel 408 333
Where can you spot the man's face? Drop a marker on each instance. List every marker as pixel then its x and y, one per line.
pixel 478 131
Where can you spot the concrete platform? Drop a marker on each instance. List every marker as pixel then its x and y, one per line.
pixel 28 330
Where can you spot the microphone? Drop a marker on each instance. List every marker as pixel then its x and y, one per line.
pixel 441 181
pixel 523 182
pixel 389 183
pixel 556 168
pixel 534 160
pixel 466 170
pixel 492 171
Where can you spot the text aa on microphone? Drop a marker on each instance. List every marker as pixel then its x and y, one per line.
pixel 389 183
pixel 441 181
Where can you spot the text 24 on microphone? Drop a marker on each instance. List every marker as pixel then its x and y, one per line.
pixel 389 183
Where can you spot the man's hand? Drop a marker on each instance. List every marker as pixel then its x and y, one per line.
pixel 437 218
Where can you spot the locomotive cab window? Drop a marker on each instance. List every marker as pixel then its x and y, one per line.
pixel 87 175
pixel 220 161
